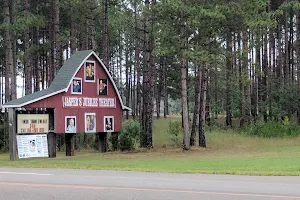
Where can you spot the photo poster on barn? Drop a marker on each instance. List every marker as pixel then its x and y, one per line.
pixel 32 123
pixel 70 124
pixel 32 146
pixel 90 122
pixel 102 87
pixel 109 124
pixel 89 71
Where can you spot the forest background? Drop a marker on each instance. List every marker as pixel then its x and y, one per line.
pixel 225 62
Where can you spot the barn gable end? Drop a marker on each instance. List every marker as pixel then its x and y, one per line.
pixel 62 83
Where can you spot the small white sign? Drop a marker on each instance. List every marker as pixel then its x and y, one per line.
pixel 32 146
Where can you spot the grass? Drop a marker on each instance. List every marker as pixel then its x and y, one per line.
pixel 227 153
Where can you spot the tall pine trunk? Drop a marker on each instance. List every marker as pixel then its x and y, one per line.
pixel 202 140
pixel 120 59
pixel 10 71
pixel 215 90
pixel 105 56
pixel 137 64
pixel 147 109
pixel 256 71
pixel 165 88
pixel 298 62
pixel 184 92
pixel 27 56
pixel 207 98
pixel 58 48
pixel 241 77
pixel 279 59
pixel 228 78
pixel 247 90
pixel 132 74
pixel 73 44
pixel 197 105
pixel 184 104
pixel 158 92
pixel 51 67
pixel 133 91
pixel 127 83
pixel 291 50
pixel 264 90
pixel 246 73
pixel 159 87
pixel 271 70
pixel 14 49
pixel 286 67
pixel 35 61
pixel 84 39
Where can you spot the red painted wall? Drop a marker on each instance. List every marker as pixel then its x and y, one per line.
pixel 89 89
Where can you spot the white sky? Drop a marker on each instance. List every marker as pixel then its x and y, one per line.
pixel 20 87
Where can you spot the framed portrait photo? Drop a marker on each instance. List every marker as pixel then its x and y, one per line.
pixel 89 71
pixel 109 124
pixel 76 86
pixel 70 124
pixel 90 122
pixel 102 86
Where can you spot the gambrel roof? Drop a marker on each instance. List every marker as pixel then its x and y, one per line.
pixel 62 81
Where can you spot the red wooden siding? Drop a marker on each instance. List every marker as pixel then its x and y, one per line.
pixel 89 89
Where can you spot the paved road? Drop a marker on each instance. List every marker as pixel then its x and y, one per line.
pixel 57 184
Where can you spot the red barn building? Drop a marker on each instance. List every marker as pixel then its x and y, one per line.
pixel 83 97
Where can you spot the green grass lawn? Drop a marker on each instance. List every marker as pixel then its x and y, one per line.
pixel 227 153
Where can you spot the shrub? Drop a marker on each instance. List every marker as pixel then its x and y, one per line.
pixel 274 129
pixel 129 135
pixel 175 131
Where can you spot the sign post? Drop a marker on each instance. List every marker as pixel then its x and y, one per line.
pixel 102 142
pixel 114 136
pixel 70 144
pixel 51 144
pixel 12 133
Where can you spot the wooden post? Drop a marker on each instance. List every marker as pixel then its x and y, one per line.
pixel 52 144
pixel 76 142
pixel 12 119
pixel 70 144
pixel 102 140
pixel 50 112
pixel 114 138
pixel 97 141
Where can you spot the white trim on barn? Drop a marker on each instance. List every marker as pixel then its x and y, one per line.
pixel 34 100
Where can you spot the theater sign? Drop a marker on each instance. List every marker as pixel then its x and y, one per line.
pixel 32 123
pixel 87 102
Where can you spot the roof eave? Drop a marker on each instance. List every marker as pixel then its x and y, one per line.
pixel 125 108
pixel 32 101
pixel 11 106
